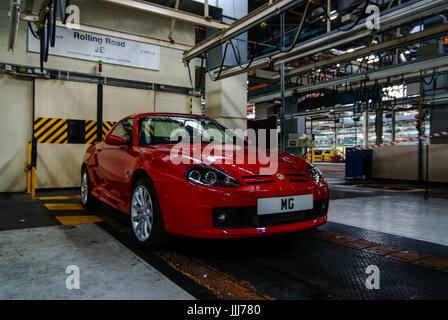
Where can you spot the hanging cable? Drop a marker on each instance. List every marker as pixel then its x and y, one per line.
pixel 49 30
pixel 33 33
pixel 46 31
pixel 299 30
pixel 42 49
pixel 221 66
pixel 54 13
pixel 62 10
pixel 238 58
pixel 65 14
pixel 432 78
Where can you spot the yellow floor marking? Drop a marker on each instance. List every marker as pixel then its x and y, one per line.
pixel 67 220
pixel 64 206
pixel 60 197
pixel 223 285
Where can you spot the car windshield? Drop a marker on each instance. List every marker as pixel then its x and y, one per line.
pixel 172 129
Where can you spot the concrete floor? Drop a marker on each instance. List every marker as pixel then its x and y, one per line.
pixel 403 213
pixel 33 265
pixel 400 214
pixel 34 258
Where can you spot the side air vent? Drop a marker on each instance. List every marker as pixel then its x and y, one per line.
pixel 258 179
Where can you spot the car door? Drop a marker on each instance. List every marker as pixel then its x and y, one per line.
pixel 117 162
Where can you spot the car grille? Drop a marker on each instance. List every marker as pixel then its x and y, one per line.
pixel 247 217
pixel 292 175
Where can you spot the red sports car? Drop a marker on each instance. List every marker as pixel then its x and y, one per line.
pixel 134 171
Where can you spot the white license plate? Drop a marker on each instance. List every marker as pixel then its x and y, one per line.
pixel 284 204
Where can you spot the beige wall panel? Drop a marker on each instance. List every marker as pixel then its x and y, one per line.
pixel 98 13
pixel 401 162
pixel 120 102
pixel 233 123
pixel 59 165
pixel 173 102
pixel 15 131
pixel 77 100
pixel 438 165
pixel 65 100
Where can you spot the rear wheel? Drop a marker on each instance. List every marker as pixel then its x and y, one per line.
pixel 88 201
pixel 146 219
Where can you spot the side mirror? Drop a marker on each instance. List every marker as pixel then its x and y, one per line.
pixel 115 140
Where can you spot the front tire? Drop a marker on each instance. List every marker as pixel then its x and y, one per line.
pixel 145 215
pixel 88 201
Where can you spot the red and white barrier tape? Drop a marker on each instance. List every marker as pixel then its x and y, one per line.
pixel 393 143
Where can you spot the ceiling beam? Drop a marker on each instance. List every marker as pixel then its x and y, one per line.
pixel 410 11
pixel 171 13
pixel 403 70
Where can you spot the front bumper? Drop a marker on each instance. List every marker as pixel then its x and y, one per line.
pixel 191 210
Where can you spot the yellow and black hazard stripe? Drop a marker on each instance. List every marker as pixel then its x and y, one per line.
pixel 63 131
pixel 51 130
pixel 107 125
pixel 90 131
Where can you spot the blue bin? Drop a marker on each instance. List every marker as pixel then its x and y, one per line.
pixel 358 164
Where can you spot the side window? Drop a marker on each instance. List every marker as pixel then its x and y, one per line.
pixel 124 129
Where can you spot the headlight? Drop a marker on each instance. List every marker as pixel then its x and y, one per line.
pixel 315 173
pixel 209 176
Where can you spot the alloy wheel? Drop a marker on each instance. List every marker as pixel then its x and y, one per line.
pixel 84 188
pixel 141 213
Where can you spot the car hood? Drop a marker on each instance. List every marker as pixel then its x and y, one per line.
pixel 230 158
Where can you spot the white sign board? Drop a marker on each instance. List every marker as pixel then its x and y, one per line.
pixel 94 47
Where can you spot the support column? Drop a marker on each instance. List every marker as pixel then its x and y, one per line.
pixel 379 126
pixel 394 124
pixel 99 113
pixel 226 101
pixel 365 129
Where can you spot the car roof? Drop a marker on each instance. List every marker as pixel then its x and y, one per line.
pixel 169 114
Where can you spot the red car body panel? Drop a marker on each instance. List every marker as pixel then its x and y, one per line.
pixel 187 207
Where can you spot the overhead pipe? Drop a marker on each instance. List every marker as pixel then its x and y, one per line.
pixel 241 26
pixel 407 68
